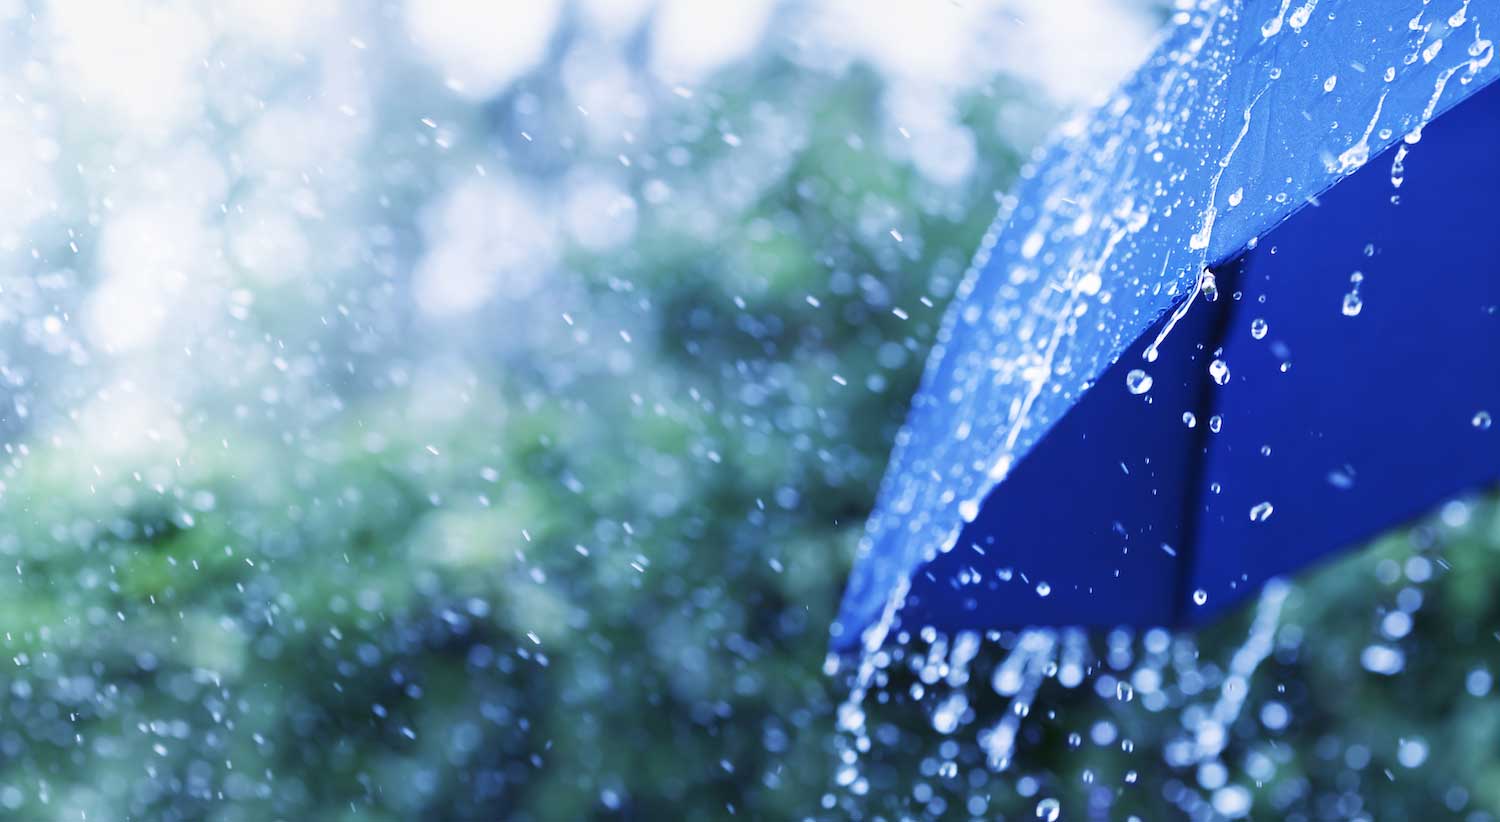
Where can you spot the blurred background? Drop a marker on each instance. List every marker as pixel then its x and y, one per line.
pixel 463 410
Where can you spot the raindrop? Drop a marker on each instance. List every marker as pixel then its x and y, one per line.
pixel 1482 420
pixel 1200 596
pixel 1189 420
pixel 1352 302
pixel 1048 809
pixel 1215 423
pixel 1209 285
pixel 1043 589
pixel 1332 81
pixel 1258 328
pixel 948 714
pixel 1138 381
pixel 1219 370
pixel 968 509
pixel 1123 691
pixel 1261 512
pixel 1236 196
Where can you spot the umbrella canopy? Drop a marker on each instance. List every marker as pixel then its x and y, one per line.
pixel 1244 315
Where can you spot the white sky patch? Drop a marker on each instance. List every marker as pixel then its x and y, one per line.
pixel 479 47
pixel 267 242
pixel 127 421
pixel 940 147
pixel 281 25
pixel 147 254
pixel 598 79
pixel 614 18
pixel 691 38
pixel 1076 51
pixel 26 185
pixel 141 62
pixel 484 238
pixel 599 214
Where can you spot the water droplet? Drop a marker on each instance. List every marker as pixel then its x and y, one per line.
pixel 1332 81
pixel 1482 420
pixel 1352 302
pixel 968 509
pixel 1258 328
pixel 1236 196
pixel 1209 285
pixel 1189 420
pixel 1215 423
pixel 1261 512
pixel 1123 691
pixel 1043 589
pixel 1001 467
pixel 1200 596
pixel 1138 381
pixel 1048 809
pixel 949 713
pixel 1219 370
pixel 1031 245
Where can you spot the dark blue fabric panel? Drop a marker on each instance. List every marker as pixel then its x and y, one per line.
pixel 1075 534
pixel 1373 422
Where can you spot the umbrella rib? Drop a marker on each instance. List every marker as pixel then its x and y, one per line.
pixel 1203 405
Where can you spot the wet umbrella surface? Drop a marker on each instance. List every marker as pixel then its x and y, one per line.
pixel 1242 316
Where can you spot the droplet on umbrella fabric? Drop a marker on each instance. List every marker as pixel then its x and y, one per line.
pixel 1138 381
pixel 1353 304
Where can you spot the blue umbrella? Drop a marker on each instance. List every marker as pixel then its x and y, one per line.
pixel 1244 315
